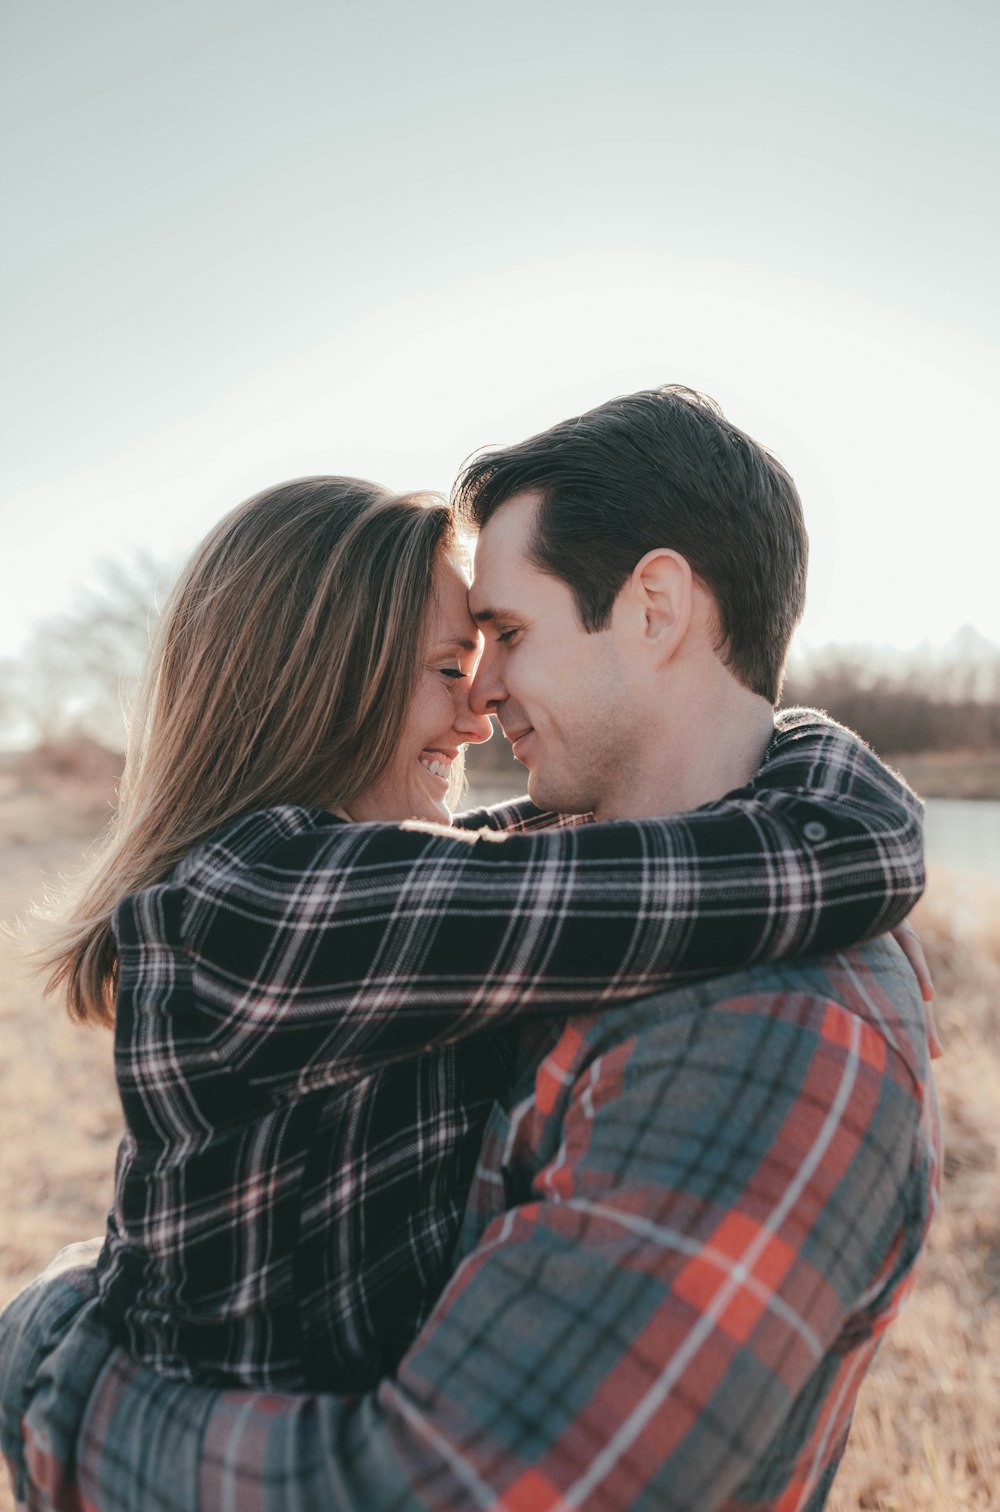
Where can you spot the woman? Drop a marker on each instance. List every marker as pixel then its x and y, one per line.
pixel 313 1007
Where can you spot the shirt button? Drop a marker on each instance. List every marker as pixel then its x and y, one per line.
pixel 814 830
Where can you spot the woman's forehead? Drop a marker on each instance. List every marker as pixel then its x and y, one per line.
pixel 450 622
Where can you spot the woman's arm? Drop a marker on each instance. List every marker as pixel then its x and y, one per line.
pixel 350 946
pixel 518 816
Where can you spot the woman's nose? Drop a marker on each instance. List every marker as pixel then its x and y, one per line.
pixel 473 727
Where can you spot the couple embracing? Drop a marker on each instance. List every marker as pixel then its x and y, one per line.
pixel 573 1153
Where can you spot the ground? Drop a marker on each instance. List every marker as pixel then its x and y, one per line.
pixel 926 1436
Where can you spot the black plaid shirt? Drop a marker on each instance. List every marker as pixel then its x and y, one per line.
pixel 314 1019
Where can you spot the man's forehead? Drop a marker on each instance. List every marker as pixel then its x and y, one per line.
pixel 498 586
pixel 500 557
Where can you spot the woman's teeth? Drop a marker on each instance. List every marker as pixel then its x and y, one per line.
pixel 436 767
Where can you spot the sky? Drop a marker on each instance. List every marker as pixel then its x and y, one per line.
pixel 250 241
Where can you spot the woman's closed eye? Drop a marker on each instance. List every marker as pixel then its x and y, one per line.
pixel 452 672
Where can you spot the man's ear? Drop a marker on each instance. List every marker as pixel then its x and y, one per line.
pixel 662 589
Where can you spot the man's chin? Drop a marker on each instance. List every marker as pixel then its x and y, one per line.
pixel 544 795
pixel 556 797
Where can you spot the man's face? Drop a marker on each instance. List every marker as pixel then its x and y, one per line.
pixel 564 697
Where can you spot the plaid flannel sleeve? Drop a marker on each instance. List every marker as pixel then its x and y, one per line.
pixel 676 1314
pixel 517 817
pixel 353 945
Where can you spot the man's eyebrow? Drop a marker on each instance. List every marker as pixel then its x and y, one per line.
pixel 483 616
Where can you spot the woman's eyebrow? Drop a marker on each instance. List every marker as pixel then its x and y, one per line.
pixel 461 641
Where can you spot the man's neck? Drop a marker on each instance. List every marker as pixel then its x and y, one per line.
pixel 715 747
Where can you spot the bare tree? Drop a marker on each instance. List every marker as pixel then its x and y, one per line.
pixel 9 699
pixel 903 702
pixel 80 668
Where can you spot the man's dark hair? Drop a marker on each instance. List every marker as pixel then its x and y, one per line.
pixel 663 467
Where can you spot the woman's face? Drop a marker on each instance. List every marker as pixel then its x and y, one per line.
pixel 439 722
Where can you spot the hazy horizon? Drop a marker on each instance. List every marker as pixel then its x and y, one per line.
pixel 252 245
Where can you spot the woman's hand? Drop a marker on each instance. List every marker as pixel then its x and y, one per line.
pixel 907 938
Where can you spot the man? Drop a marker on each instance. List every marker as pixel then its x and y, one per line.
pixel 696 1213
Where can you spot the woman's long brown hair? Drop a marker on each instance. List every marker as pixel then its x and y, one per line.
pixel 281 672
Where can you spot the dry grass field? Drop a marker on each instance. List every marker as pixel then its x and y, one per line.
pixel 927 1432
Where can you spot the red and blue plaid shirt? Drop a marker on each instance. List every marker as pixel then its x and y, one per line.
pixel 313 1023
pixel 644 1139
pixel 689 1229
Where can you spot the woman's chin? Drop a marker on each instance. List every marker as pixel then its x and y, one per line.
pixel 434 813
pixel 430 796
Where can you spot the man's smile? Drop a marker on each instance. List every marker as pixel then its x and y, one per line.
pixel 517 737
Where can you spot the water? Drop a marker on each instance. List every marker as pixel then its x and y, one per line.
pixel 964 834
pixel 961 833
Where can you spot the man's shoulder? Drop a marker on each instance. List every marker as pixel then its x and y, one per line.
pixel 872 984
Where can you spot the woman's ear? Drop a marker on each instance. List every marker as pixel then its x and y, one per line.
pixel 662 587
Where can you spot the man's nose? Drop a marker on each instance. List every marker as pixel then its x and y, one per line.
pixel 487 692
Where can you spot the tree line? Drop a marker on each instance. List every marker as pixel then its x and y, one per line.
pixel 79 669
pixel 944 699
